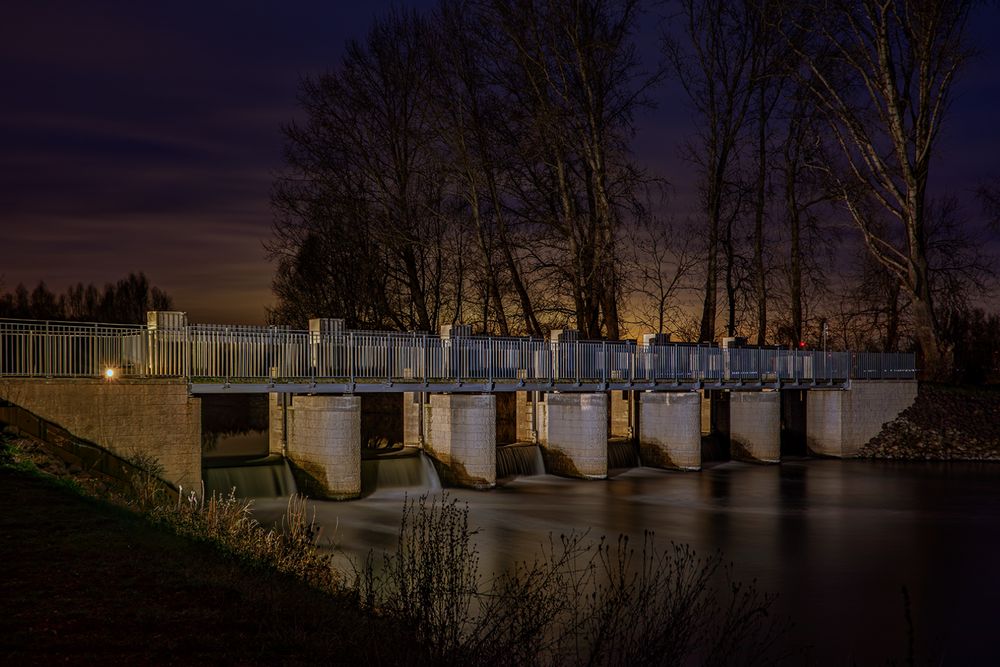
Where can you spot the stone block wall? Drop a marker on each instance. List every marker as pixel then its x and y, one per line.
pixel 670 430
pixel 576 435
pixel 324 442
pixel 462 437
pixel 755 426
pixel 839 422
pixel 155 418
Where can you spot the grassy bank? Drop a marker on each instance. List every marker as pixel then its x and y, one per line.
pixel 945 423
pixel 90 582
pixel 154 578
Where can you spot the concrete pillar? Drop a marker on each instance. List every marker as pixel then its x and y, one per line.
pixel 755 426
pixel 706 411
pixel 839 422
pixel 324 443
pixel 462 437
pixel 412 422
pixel 275 423
pixel 621 419
pixel 524 419
pixel 575 443
pixel 670 431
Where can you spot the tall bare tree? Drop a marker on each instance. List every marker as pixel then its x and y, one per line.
pixel 717 62
pixel 881 72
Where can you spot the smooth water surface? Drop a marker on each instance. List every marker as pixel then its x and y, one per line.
pixel 836 540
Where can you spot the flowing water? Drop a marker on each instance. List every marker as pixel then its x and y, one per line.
pixel 836 540
pixel 406 468
pixel 519 460
pixel 267 477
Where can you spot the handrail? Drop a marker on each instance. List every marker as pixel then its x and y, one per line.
pixel 246 354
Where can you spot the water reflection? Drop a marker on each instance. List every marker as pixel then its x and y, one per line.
pixel 836 540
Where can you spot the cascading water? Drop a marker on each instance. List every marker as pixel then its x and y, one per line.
pixel 622 454
pixel 397 468
pixel 267 477
pixel 519 460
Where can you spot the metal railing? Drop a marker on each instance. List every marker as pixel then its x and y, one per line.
pixel 268 355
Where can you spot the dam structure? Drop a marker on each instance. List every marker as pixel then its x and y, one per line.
pixel 137 389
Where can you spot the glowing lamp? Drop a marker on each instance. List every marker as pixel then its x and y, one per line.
pixel 802 343
pixel 109 373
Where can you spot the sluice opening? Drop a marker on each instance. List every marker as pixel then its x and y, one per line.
pixel 397 467
pixel 264 477
pixel 519 460
pixel 622 453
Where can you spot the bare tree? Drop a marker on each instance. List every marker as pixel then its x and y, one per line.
pixel 881 72
pixel 717 62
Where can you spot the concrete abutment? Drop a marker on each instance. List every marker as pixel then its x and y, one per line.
pixel 840 421
pixel 146 418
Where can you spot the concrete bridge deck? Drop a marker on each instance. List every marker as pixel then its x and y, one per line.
pixel 327 359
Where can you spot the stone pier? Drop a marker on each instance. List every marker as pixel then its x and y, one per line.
pixel 526 417
pixel 622 421
pixel 755 426
pixel 276 423
pixel 324 445
pixel 839 422
pixel 670 430
pixel 575 435
pixel 462 438
pixel 414 426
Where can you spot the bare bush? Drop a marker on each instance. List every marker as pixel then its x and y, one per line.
pixel 580 601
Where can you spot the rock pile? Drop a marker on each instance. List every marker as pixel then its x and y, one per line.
pixel 944 424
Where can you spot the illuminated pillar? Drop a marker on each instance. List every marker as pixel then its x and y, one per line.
pixel 575 441
pixel 755 426
pixel 462 437
pixel 670 430
pixel 839 422
pixel 324 445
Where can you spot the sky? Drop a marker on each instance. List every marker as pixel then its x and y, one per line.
pixel 145 137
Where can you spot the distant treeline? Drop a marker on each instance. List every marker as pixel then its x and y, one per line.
pixel 124 302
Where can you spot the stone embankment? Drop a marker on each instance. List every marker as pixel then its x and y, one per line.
pixel 944 424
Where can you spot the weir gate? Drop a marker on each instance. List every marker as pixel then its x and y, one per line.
pixel 135 386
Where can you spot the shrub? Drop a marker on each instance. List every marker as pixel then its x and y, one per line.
pixel 580 601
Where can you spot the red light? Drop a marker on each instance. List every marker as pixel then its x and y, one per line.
pixel 802 343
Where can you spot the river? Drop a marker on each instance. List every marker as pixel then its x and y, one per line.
pixel 835 540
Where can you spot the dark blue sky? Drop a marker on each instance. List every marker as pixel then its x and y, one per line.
pixel 144 136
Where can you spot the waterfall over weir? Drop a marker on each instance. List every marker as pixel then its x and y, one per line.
pixel 267 477
pixel 398 468
pixel 520 460
pixel 622 454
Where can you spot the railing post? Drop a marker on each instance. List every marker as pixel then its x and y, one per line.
pixel 350 355
pixel 489 360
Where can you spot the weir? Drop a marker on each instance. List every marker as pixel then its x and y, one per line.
pixel 135 389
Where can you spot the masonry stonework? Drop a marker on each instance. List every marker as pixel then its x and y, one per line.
pixel 324 442
pixel 463 438
pixel 755 426
pixel 670 430
pixel 156 418
pixel 575 443
pixel 839 422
